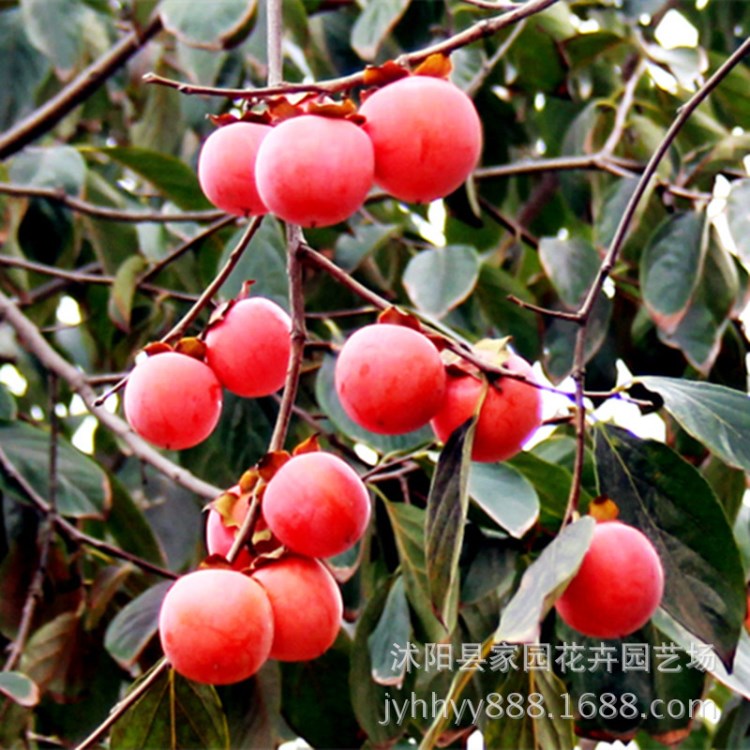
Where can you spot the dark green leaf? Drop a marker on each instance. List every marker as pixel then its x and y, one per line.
pixel 718 417
pixel 571 265
pixel 135 625
pixel 548 731
pixel 408 523
pixel 8 408
pixel 123 291
pixel 23 69
pixel 325 393
pixel 56 167
pixel 208 25
pixel 661 494
pixel 175 179
pixel 174 713
pixel 367 697
pixel 505 495
pixel 670 267
pixel 543 581
pixel 19 688
pixel 392 631
pixel 55 28
pixel 374 24
pixel 439 279
pixel 264 262
pixel 447 505
pixel 351 250
pixel 315 689
pixel 82 487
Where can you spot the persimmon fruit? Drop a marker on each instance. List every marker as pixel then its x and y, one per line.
pixel 510 414
pixel 306 604
pixel 619 585
pixel 226 168
pixel 390 379
pixel 427 137
pixel 315 171
pixel 173 400
pixel 249 347
pixel 316 505
pixel 216 626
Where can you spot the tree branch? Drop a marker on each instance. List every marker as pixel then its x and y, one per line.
pixel 106 212
pixel 32 340
pixel 78 90
pixel 480 30
pixel 584 313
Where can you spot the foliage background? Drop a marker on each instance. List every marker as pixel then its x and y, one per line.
pixel 108 241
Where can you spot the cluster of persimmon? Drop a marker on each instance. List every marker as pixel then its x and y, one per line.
pixel 276 600
pixel 174 397
pixel 391 379
pixel 418 138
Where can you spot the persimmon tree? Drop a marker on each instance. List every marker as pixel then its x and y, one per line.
pixel 603 238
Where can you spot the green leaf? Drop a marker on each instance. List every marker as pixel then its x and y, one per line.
pixel 23 69
pixel 8 408
pixel 175 179
pixel 617 678
pixel 56 167
pixel 664 496
pixel 408 523
pixel 135 625
pixel 264 262
pixel 552 484
pixel 439 279
pixel 351 250
pixel 52 657
pixel 367 697
pixel 505 495
pixel 328 400
pixel 83 489
pixel 493 287
pixel 209 25
pixel 670 267
pixel 55 29
pixel 128 526
pixel 738 679
pixel 716 416
pixel 548 731
pixel 123 291
pixel 571 265
pixel 374 24
pixel 316 688
pixel 19 688
pixel 175 713
pixel 543 581
pixel 447 505
pixel 738 217
pixel 392 631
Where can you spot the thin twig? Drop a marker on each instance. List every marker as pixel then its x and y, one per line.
pixel 178 252
pixel 106 212
pixel 78 90
pixel 203 300
pixel 70 530
pixel 479 30
pixel 121 708
pixel 618 240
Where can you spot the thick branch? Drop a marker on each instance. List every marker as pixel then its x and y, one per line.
pixel 78 90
